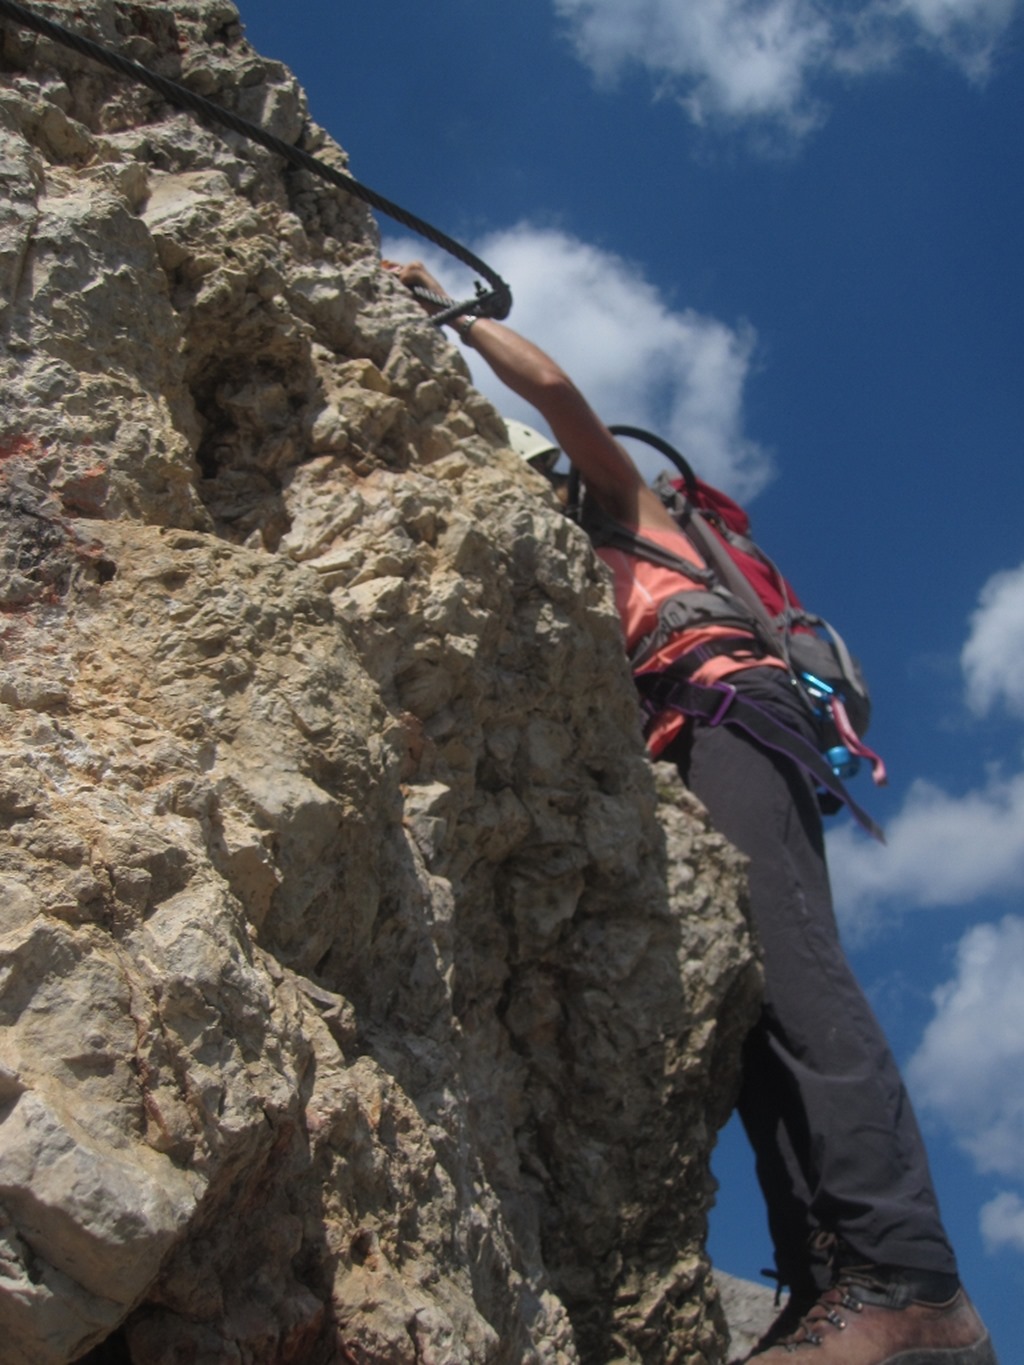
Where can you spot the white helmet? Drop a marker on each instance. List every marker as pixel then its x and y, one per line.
pixel 531 445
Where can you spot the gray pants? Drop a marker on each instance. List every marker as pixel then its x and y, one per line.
pixel 837 1146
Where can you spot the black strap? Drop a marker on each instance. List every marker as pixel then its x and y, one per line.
pixel 734 646
pixel 722 704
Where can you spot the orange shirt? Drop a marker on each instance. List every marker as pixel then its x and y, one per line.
pixel 640 589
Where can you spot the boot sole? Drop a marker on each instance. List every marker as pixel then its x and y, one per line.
pixel 981 1353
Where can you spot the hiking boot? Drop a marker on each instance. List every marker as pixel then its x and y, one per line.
pixel 865 1319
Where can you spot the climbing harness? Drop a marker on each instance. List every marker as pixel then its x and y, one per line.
pixel 723 704
pixel 494 304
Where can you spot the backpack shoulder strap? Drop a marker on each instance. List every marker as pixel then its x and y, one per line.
pixel 605 531
pixel 694 525
pixel 714 553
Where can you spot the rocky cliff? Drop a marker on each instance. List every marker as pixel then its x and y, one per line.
pixel 351 1010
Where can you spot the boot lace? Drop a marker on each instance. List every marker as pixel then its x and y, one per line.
pixel 830 1311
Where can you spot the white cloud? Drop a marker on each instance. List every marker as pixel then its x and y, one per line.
pixel 675 372
pixel 946 849
pixel 966 31
pixel 993 657
pixel 727 58
pixel 1002 1223
pixel 760 59
pixel 969 1065
pixel 941 850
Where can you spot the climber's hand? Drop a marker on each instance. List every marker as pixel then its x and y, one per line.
pixel 413 274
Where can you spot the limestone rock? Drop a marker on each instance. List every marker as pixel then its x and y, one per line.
pixel 750 1309
pixel 347 1011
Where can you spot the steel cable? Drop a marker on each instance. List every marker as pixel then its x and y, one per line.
pixel 495 304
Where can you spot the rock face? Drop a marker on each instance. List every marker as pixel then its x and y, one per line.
pixel 351 1009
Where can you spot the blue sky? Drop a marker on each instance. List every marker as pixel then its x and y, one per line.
pixel 788 235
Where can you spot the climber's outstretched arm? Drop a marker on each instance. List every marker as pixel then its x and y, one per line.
pixel 611 477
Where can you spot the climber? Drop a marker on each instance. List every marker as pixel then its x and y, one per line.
pixel 854 1219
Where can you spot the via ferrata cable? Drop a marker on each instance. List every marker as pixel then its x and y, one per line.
pixel 495 304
